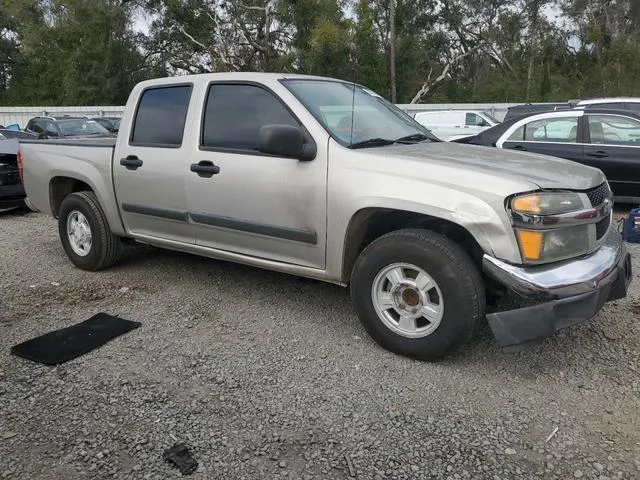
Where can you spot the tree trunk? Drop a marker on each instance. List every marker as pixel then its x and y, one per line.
pixel 529 74
pixel 392 50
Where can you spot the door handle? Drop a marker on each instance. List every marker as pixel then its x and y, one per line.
pixel 598 154
pixel 131 162
pixel 205 169
pixel 520 147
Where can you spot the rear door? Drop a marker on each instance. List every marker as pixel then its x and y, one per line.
pixel 613 146
pixel 556 136
pixel 150 165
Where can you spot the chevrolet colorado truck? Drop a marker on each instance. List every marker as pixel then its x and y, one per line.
pixel 324 179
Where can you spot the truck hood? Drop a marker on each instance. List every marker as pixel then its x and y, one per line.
pixel 540 171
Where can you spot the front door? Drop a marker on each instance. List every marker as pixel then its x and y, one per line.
pixel 150 167
pixel 250 203
pixel 614 147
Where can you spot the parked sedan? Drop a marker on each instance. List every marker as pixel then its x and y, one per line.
pixel 602 138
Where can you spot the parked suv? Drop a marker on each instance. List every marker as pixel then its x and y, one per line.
pixel 533 108
pixel 632 104
pixel 67 127
pixel 110 123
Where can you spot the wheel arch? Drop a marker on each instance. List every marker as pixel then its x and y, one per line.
pixel 60 187
pixel 370 223
pixel 63 184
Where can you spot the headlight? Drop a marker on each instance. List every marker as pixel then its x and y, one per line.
pixel 553 245
pixel 534 213
pixel 547 203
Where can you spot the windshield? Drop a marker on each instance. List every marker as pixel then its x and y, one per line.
pixel 491 117
pixel 356 116
pixel 81 126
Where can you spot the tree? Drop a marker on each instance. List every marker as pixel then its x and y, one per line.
pixel 75 52
pixel 89 51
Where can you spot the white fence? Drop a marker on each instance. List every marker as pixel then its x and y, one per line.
pixel 21 115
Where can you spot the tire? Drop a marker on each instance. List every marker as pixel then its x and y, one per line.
pixel 455 303
pixel 103 248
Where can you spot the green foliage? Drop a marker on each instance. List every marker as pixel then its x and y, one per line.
pixel 73 52
pixel 56 52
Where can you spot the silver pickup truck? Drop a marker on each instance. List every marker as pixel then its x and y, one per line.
pixel 324 179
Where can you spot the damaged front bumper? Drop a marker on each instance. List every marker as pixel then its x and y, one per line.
pixel 571 291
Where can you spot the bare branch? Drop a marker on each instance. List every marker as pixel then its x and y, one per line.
pixel 193 40
pixel 247 7
pixel 428 85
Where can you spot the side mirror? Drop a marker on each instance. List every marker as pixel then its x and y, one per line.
pixel 285 141
pixel 51 133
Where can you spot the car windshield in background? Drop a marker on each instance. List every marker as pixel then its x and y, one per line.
pixel 491 117
pixel 81 127
pixel 356 116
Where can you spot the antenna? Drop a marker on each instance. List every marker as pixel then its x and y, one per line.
pixel 353 91
pixel 353 108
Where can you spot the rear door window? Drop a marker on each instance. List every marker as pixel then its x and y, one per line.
pixel 614 130
pixel 161 117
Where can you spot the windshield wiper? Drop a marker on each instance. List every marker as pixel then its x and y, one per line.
pixel 415 137
pixel 372 142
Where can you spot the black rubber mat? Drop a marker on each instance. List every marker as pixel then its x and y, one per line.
pixel 68 343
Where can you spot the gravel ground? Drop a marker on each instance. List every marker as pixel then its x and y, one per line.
pixel 269 376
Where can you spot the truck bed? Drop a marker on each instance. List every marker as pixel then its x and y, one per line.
pixel 84 160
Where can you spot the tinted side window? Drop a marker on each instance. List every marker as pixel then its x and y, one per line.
pixel 613 130
pixel 50 127
pixel 35 126
pixel 562 130
pixel 161 116
pixel 235 114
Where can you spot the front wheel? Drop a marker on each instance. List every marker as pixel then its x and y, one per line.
pixel 85 233
pixel 417 293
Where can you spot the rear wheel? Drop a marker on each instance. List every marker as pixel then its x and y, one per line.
pixel 417 293
pixel 85 233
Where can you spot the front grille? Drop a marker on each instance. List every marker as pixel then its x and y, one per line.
pixel 598 195
pixel 602 226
